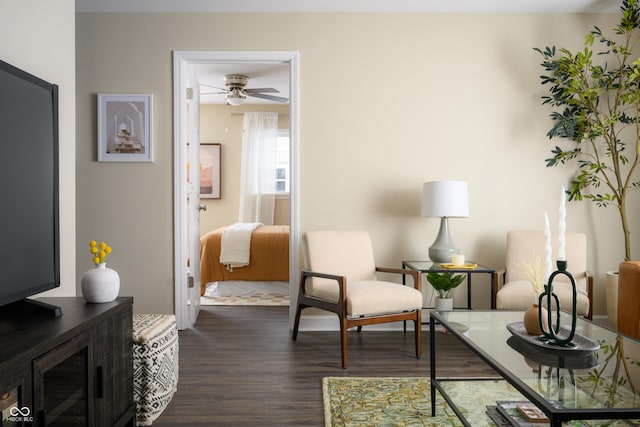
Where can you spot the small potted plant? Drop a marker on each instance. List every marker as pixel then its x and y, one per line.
pixel 443 283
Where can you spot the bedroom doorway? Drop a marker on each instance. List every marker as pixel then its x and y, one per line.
pixel 183 60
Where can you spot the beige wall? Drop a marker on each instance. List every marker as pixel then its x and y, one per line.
pixel 223 124
pixel 39 37
pixel 387 101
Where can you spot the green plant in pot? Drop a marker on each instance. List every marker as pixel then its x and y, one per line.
pixel 595 96
pixel 443 283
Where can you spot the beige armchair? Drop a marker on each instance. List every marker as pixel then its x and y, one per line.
pixel 342 279
pixel 511 289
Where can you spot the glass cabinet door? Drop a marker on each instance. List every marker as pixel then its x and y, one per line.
pixel 14 411
pixel 15 396
pixel 63 381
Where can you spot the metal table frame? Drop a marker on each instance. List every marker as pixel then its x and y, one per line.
pixel 556 415
pixel 433 267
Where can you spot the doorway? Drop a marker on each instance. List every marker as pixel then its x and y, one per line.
pixel 184 61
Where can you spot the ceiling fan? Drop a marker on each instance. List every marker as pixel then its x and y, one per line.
pixel 236 93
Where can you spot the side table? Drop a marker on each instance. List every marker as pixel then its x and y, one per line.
pixel 434 267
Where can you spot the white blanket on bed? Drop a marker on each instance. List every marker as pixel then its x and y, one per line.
pixel 235 248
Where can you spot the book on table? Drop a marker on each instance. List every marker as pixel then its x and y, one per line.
pixel 522 413
pixel 497 417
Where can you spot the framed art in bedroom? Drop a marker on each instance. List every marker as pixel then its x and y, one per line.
pixel 124 127
pixel 210 171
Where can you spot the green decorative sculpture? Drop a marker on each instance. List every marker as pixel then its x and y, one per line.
pixel 550 335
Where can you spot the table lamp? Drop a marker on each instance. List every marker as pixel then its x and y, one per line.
pixel 444 199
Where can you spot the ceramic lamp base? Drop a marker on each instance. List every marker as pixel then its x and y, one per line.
pixel 443 247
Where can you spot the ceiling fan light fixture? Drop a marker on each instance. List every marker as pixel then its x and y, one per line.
pixel 235 99
pixel 236 94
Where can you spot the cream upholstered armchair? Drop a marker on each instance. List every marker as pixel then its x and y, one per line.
pixel 511 289
pixel 342 279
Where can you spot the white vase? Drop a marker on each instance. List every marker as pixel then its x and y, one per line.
pixel 100 284
pixel 612 299
pixel 444 304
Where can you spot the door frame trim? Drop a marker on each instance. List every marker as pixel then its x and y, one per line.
pixel 181 60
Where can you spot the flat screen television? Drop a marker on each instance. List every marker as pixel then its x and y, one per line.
pixel 29 189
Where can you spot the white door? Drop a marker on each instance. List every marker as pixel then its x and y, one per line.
pixel 186 193
pixel 186 297
pixel 193 197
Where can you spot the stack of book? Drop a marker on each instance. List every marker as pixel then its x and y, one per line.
pixel 522 413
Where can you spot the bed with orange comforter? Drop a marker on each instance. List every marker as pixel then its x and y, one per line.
pixel 269 259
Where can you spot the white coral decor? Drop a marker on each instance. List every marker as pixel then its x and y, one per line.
pixel 533 270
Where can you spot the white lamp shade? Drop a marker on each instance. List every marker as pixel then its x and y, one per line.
pixel 445 199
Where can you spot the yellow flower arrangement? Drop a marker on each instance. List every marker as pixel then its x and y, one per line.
pixel 99 251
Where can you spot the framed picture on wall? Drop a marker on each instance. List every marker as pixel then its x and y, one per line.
pixel 124 127
pixel 210 171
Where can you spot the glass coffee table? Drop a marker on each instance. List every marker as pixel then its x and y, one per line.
pixel 587 383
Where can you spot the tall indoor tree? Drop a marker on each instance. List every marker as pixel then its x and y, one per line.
pixel 595 96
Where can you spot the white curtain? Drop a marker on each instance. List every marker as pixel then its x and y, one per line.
pixel 258 170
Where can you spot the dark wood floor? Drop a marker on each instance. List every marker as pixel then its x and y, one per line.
pixel 239 367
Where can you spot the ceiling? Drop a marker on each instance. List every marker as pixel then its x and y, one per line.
pixel 374 6
pixel 276 75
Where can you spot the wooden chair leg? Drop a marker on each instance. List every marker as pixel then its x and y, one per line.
pixel 343 342
pixel 296 323
pixel 418 336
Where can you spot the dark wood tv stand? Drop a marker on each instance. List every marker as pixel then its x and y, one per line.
pixel 75 369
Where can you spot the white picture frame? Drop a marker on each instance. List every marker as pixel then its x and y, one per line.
pixel 124 127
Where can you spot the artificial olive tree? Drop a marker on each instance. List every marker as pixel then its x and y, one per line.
pixel 595 96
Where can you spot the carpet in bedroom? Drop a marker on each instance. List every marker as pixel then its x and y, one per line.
pixel 246 293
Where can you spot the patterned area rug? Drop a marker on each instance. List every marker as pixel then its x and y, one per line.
pixel 355 402
pixel 246 293
pixel 406 401
pixel 256 299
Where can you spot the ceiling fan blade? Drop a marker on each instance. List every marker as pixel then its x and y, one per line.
pixel 268 97
pixel 214 87
pixel 213 93
pixel 264 89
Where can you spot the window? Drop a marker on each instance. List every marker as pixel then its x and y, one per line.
pixel 282 162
